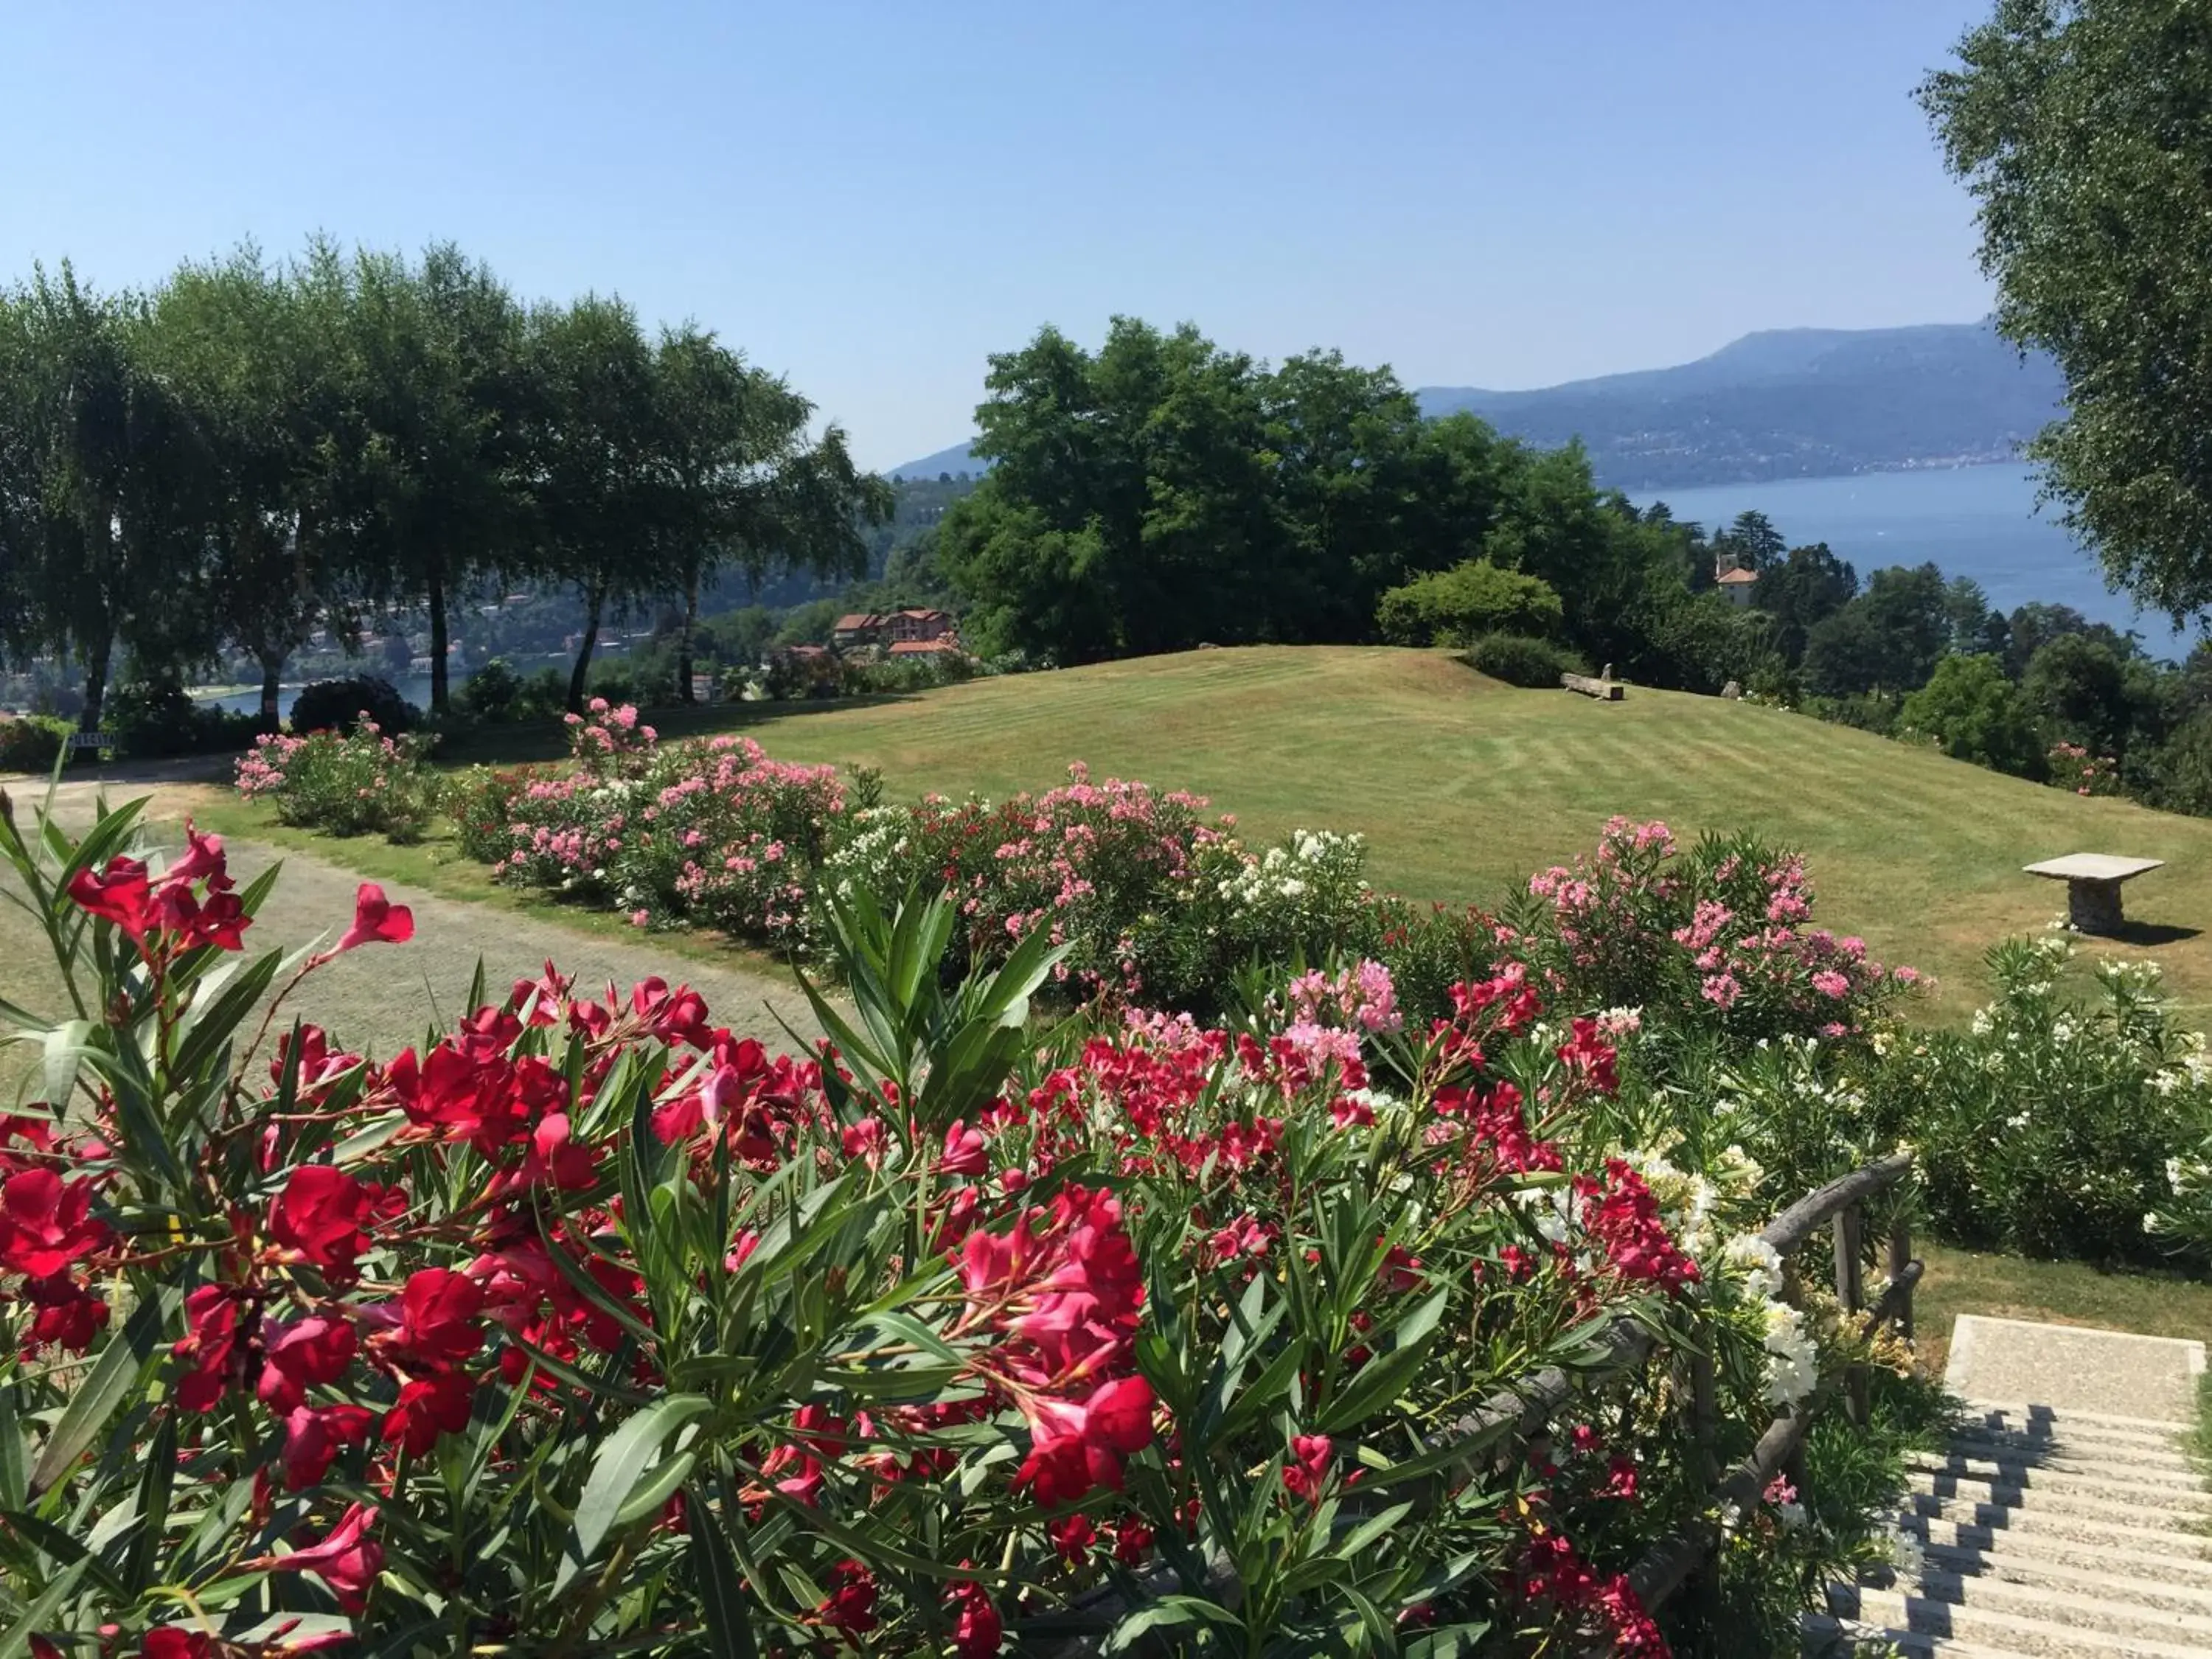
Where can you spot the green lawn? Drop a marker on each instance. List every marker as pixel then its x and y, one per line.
pixel 1464 785
pixel 2060 1292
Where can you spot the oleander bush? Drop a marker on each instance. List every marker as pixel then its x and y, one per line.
pixel 1159 900
pixel 592 1326
pixel 344 783
pixel 2059 1124
pixel 1720 938
pixel 2056 1124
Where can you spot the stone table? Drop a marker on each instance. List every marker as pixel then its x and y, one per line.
pixel 2093 886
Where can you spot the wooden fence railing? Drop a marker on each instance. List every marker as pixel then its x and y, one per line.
pixel 1524 1412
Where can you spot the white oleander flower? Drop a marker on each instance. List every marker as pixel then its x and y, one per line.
pixel 1761 1264
pixel 1793 1368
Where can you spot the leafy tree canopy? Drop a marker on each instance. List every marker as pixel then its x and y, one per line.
pixel 2083 129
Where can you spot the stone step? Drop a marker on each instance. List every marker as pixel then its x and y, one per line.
pixel 2063 1452
pixel 2044 1624
pixel 2164 1488
pixel 2128 1507
pixel 2114 1580
pixel 2021 1414
pixel 2163 1558
pixel 2098 1607
pixel 1829 1638
pixel 2161 1533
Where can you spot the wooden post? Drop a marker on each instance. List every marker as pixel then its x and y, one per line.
pixel 1851 1292
pixel 1900 1254
pixel 1705 1434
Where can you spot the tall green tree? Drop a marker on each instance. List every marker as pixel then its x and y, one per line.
pixel 1804 588
pixel 1889 638
pixel 432 491
pixel 109 517
pixel 1976 713
pixel 595 462
pixel 1750 543
pixel 748 488
pixel 2083 128
pixel 255 351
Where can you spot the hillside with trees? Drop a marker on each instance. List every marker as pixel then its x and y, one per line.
pixel 1163 493
pixel 1784 404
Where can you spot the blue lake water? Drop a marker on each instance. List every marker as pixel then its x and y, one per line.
pixel 414 688
pixel 1977 521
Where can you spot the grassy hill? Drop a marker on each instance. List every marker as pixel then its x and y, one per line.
pixel 1462 786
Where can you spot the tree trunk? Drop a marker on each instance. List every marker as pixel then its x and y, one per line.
pixel 595 600
pixel 437 641
pixel 272 670
pixel 95 681
pixel 690 623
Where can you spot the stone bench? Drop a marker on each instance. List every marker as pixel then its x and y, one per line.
pixel 2093 886
pixel 1591 686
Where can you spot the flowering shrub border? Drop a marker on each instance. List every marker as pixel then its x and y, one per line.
pixel 593 1324
pixel 1159 903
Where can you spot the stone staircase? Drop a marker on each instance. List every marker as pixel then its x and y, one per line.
pixel 2048 1534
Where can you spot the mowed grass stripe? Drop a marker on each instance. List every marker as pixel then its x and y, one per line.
pixel 1464 785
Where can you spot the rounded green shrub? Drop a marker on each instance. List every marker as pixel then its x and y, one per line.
pixel 32 743
pixel 338 705
pixel 1520 660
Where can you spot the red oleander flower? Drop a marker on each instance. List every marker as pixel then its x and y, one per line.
pixel 208 1345
pixel 426 1408
pixel 69 1316
pixel 1073 1537
pixel 1624 1219
pixel 1621 1478
pixel 45 1223
pixel 376 920
pixel 1590 1057
pixel 317 1217
pixel 678 1015
pixel 168 1642
pixel 121 894
pixel 977 1630
pixel 1133 1538
pixel 347 1559
pixel 204 860
pixel 850 1606
pixel 314 1436
pixel 1308 1469
pixel 1074 1449
pixel 965 1151
pixel 300 1356
pixel 438 1314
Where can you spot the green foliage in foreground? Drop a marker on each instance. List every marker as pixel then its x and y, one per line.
pixel 593 1329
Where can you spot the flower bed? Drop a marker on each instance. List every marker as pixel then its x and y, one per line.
pixel 1158 901
pixel 592 1326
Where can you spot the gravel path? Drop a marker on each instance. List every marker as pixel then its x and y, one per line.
pixel 382 997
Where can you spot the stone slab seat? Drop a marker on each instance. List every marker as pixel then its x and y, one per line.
pixel 2093 885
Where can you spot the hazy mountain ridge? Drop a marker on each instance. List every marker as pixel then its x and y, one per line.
pixel 1780 404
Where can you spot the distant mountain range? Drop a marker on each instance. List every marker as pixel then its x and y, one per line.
pixel 1798 403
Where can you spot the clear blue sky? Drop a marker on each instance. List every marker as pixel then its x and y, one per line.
pixel 870 198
